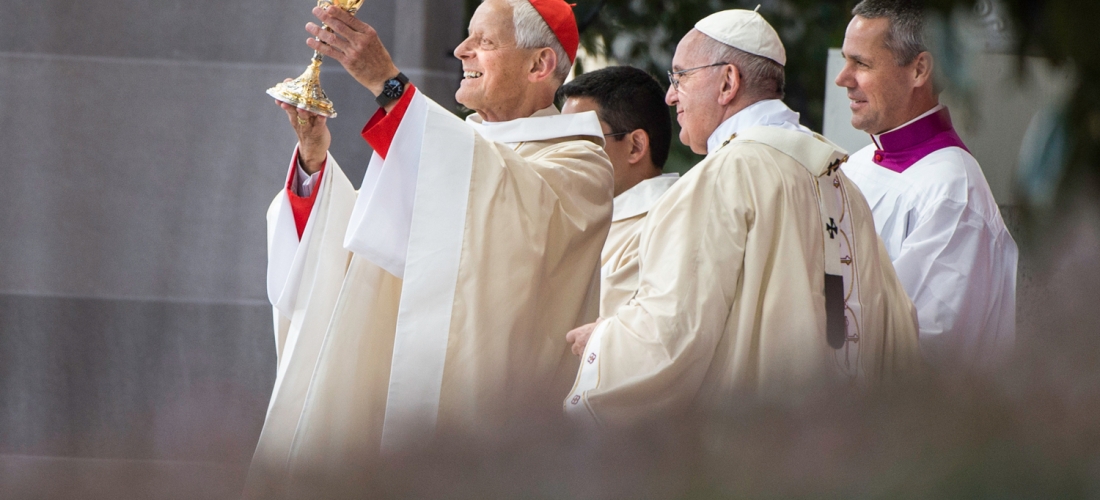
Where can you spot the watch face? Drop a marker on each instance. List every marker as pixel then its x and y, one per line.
pixel 392 88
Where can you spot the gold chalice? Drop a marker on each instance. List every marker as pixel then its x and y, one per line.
pixel 305 91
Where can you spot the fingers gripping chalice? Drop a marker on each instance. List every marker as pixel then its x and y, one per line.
pixel 305 91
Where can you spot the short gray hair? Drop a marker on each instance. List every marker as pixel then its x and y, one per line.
pixel 762 78
pixel 905 38
pixel 532 32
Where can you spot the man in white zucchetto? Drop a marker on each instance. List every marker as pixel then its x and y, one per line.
pixel 432 300
pixel 760 271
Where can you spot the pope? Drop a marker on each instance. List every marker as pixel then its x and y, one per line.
pixel 760 273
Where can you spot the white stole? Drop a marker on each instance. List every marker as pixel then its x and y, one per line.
pixel 822 159
pixel 285 256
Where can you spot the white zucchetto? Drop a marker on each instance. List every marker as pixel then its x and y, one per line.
pixel 745 30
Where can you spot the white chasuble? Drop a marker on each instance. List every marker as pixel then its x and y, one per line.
pixel 732 296
pixel 619 259
pixel 467 253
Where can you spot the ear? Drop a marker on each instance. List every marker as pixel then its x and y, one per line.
pixel 923 67
pixel 543 63
pixel 731 84
pixel 639 146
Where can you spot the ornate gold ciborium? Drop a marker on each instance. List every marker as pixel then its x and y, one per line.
pixel 305 91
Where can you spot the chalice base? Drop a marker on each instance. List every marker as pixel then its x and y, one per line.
pixel 305 92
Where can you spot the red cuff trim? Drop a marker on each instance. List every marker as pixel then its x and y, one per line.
pixel 302 206
pixel 381 128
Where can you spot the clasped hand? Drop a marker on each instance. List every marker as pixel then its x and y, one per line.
pixel 579 336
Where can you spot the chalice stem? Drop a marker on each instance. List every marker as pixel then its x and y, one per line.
pixel 305 91
pixel 317 56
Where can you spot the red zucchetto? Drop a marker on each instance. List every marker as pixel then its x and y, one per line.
pixel 559 16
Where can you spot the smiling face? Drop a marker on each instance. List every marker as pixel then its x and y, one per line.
pixel 495 72
pixel 696 101
pixel 880 91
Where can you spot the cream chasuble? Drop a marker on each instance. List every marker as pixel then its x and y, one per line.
pixel 619 259
pixel 434 299
pixel 732 296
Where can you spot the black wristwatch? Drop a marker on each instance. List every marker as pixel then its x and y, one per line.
pixel 392 90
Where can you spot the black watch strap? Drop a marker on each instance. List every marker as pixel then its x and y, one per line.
pixel 392 90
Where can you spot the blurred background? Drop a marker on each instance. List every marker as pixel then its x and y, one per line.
pixel 136 352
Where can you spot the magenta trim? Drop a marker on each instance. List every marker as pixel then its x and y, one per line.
pixel 902 148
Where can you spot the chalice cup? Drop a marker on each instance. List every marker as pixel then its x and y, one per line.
pixel 305 91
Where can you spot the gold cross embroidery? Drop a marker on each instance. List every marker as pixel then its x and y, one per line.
pixel 732 137
pixel 836 164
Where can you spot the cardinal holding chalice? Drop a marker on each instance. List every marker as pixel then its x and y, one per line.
pixel 430 301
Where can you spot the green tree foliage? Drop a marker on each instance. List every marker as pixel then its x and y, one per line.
pixel 1064 31
pixel 644 33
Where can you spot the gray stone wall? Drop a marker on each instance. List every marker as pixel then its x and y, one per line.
pixel 140 155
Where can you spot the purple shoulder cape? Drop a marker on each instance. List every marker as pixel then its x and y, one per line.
pixel 900 149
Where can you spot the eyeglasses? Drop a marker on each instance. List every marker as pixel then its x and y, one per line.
pixel 674 76
pixel 616 134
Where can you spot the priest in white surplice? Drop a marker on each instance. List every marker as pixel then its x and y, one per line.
pixel 931 202
pixel 760 271
pixel 432 299
pixel 638 133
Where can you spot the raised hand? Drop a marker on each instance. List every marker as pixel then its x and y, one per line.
pixel 354 44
